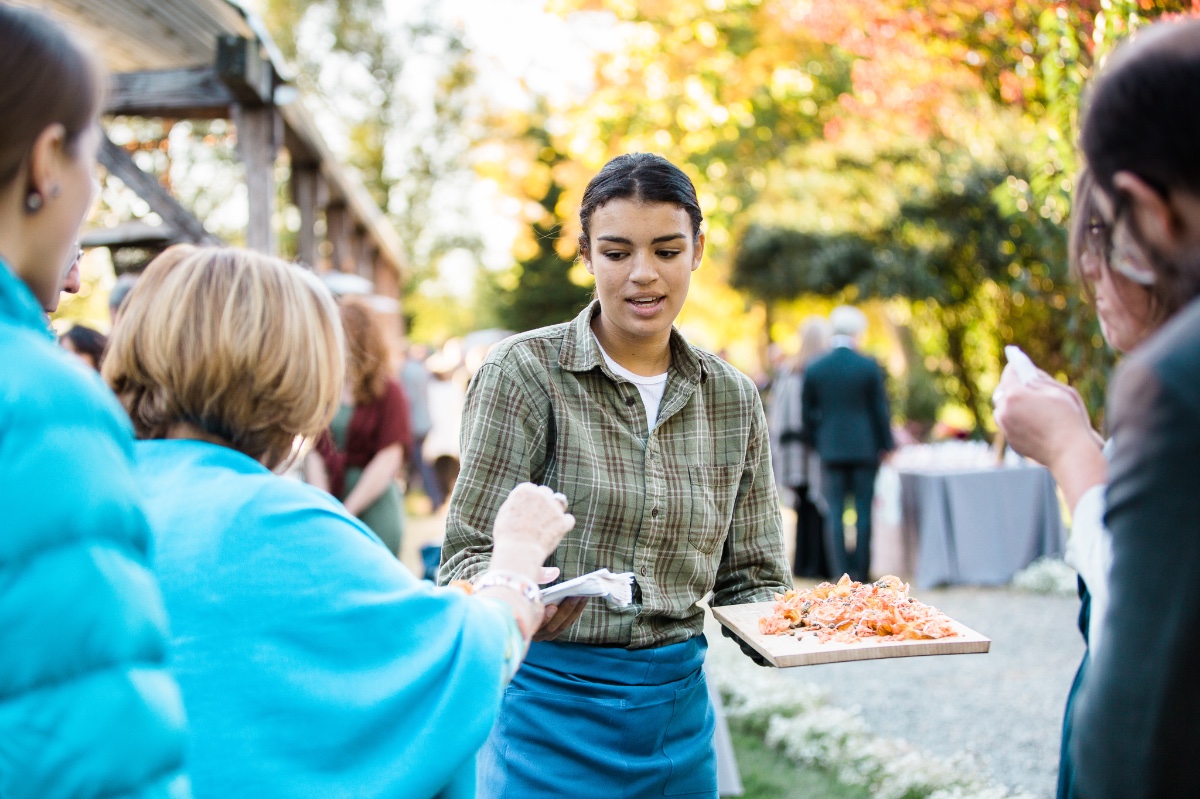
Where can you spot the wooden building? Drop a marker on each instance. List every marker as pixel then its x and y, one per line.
pixel 212 59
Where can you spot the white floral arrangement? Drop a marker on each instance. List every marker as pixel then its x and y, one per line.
pixel 797 720
pixel 1047 576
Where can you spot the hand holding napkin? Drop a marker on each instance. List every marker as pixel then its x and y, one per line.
pixel 617 587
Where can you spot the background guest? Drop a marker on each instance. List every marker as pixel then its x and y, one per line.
pixel 358 458
pixel 414 377
pixel 86 706
pixel 446 400
pixel 312 662
pixel 846 419
pixel 85 344
pixel 120 290
pixel 797 465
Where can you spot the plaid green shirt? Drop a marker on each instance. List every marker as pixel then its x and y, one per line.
pixel 689 508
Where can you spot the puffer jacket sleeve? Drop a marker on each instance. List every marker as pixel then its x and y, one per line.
pixel 87 708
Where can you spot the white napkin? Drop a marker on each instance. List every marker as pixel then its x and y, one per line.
pixel 1021 362
pixel 617 587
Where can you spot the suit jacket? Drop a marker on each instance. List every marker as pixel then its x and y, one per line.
pixel 845 408
pixel 1135 730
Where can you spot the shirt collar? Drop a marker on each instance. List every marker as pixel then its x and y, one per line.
pixel 843 341
pixel 581 353
pixel 19 306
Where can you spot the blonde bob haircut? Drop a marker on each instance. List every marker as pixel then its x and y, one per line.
pixel 245 348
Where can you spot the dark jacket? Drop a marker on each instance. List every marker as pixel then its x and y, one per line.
pixel 845 408
pixel 1135 730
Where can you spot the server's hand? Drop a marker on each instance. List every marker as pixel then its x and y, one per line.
pixel 559 617
pixel 747 650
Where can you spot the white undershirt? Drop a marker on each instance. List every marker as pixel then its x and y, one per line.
pixel 651 388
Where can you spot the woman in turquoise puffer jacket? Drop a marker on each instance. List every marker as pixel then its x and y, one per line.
pixel 86 706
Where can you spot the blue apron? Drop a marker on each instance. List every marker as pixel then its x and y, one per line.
pixel 603 722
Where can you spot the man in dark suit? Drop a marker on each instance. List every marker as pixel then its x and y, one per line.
pixel 846 418
pixel 1136 721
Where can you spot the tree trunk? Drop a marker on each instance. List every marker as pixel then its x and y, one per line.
pixel 969 393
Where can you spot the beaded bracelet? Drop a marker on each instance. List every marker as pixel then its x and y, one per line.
pixel 516 582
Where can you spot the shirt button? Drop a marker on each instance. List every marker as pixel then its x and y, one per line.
pixel 644 571
pixel 654 513
pixel 629 401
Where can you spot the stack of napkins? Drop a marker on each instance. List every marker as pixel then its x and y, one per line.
pixel 617 587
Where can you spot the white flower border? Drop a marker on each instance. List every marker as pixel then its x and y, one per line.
pixel 797 720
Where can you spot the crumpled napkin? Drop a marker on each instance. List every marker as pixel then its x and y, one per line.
pixel 617 587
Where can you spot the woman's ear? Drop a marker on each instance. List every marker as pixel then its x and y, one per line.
pixel 585 255
pixel 699 254
pixel 46 161
pixel 1156 220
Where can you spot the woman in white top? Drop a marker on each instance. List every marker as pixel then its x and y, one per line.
pixel 797 465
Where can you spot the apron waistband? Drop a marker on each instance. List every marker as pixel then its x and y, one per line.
pixel 616 666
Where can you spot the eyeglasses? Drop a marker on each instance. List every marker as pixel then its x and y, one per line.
pixel 1100 241
pixel 74 261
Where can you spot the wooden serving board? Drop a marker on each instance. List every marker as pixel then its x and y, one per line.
pixel 788 650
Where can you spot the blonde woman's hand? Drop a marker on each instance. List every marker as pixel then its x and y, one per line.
pixel 528 528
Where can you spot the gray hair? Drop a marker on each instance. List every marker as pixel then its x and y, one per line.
pixel 847 321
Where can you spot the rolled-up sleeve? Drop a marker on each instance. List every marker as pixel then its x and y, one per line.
pixel 753 565
pixel 503 438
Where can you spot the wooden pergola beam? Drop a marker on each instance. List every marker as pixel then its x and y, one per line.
pixel 120 164
pixel 242 67
pixel 193 93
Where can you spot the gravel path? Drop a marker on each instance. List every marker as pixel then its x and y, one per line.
pixel 1004 708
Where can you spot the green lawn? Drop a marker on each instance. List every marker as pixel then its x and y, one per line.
pixel 766 774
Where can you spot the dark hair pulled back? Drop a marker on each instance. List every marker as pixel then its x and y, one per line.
pixel 48 79
pixel 644 177
pixel 1143 114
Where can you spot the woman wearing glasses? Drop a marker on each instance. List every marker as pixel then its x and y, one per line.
pixel 1047 421
pixel 86 705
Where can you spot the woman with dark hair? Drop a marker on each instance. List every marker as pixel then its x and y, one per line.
pixel 663 450
pixel 1131 729
pixel 1038 418
pixel 85 344
pixel 87 708
pixel 1135 719
pixel 358 457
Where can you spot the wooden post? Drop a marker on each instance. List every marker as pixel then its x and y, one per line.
pixel 257 144
pixel 305 181
pixel 337 224
pixel 361 252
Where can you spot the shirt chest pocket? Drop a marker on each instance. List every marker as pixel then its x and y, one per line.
pixel 713 491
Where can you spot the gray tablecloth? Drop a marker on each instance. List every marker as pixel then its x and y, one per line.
pixel 978 527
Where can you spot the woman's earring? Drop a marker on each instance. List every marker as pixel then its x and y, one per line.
pixel 33 201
